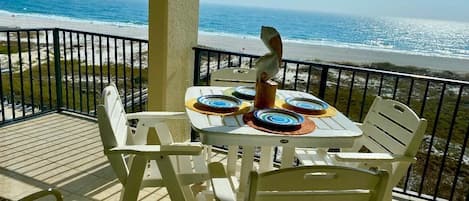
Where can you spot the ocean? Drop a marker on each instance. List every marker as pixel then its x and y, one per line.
pixel 404 35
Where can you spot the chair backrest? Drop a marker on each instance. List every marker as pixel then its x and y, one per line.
pixel 231 77
pixel 392 127
pixel 311 183
pixel 113 129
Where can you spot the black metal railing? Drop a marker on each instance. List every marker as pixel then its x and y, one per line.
pixel 442 169
pixel 47 70
pixel 25 89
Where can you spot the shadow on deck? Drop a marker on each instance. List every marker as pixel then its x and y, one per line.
pixel 60 151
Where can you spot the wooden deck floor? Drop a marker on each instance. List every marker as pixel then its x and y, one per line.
pixel 59 151
pixel 63 151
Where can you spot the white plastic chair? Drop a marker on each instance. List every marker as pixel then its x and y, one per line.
pixel 232 77
pixel 138 165
pixel 392 132
pixel 307 183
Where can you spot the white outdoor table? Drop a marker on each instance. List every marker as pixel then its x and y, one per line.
pixel 337 131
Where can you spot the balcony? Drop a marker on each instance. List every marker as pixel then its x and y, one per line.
pixel 52 78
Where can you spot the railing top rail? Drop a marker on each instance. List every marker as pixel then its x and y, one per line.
pixel 346 67
pixel 8 29
pixel 105 35
pixel 13 29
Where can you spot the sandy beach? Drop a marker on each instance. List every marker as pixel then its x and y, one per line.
pixel 292 50
pixel 298 51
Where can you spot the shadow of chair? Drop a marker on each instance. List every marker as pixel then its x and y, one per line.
pixel 137 165
pixel 43 194
pixel 392 132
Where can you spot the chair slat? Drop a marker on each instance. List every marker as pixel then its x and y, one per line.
pixel 329 196
pixel 398 132
pixel 233 77
pixel 308 183
pixel 325 178
pixel 398 112
pixel 385 140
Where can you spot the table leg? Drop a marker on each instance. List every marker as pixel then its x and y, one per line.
pixel 246 167
pixel 266 162
pixel 288 155
pixel 231 160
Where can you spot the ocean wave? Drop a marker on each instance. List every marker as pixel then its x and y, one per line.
pixel 228 34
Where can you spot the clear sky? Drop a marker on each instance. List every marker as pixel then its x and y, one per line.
pixel 430 9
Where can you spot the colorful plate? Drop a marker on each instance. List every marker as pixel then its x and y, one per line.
pixel 245 92
pixel 306 104
pixel 278 118
pixel 219 102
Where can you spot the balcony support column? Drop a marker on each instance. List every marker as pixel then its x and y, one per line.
pixel 173 28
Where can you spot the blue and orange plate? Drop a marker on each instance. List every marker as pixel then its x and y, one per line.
pixel 306 105
pixel 278 118
pixel 218 103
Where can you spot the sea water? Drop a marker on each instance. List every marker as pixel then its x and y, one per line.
pixel 412 36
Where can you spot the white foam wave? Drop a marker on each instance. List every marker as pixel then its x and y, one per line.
pixel 384 48
pixel 227 34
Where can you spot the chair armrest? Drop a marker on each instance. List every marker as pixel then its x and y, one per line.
pixel 179 147
pixel 44 193
pixel 157 115
pixel 221 184
pixel 158 150
pixel 371 157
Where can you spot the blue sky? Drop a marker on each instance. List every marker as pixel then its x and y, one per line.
pixel 430 9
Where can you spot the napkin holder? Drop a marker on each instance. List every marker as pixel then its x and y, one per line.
pixel 265 94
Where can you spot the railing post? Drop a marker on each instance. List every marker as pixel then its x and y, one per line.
pixel 196 67
pixel 323 82
pixel 58 73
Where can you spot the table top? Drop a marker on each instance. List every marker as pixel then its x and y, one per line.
pixel 336 131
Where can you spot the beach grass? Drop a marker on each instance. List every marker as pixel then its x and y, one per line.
pixel 42 87
pixel 14 47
